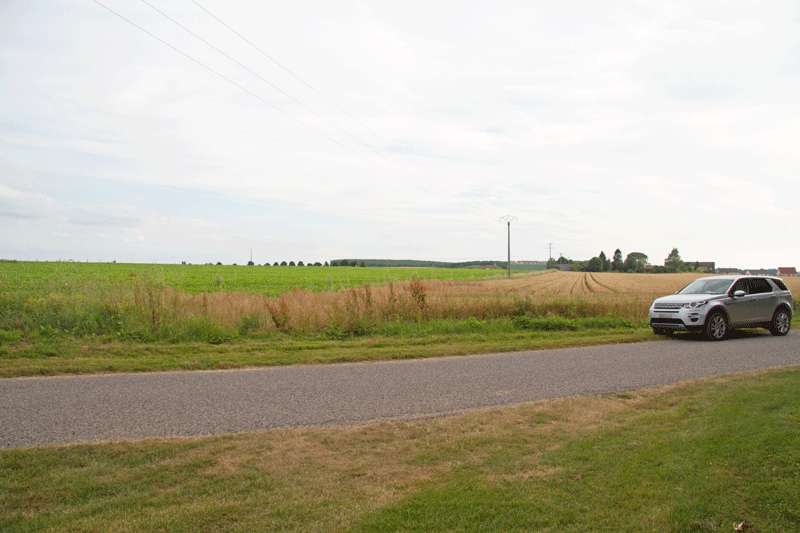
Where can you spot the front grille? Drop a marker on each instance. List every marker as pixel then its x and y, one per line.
pixel 667 306
pixel 667 321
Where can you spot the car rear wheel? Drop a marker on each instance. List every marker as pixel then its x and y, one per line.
pixel 781 322
pixel 716 327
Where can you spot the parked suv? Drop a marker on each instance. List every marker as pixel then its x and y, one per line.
pixel 715 304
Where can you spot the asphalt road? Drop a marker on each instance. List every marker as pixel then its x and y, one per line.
pixel 42 411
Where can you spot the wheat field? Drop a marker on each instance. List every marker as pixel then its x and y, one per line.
pixel 142 309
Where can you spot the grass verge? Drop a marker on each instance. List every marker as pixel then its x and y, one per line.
pixel 699 456
pixel 59 354
pixel 64 354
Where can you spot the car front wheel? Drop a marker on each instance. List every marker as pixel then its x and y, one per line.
pixel 716 327
pixel 781 322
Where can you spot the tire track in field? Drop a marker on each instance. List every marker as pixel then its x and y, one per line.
pixel 586 286
pixel 576 286
pixel 540 285
pixel 601 284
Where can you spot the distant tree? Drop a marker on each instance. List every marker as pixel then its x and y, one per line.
pixel 674 262
pixel 219 263
pixel 275 264
pixel 250 263
pixel 616 262
pixel 551 263
pixel 606 262
pixel 636 262
pixel 595 264
pixel 291 263
pixel 283 263
pixel 363 264
pixel 326 263
pixel 300 264
pixel 317 264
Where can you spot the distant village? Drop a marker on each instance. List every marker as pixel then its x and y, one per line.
pixel 702 266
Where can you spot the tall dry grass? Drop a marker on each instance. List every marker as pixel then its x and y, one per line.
pixel 357 310
pixel 148 309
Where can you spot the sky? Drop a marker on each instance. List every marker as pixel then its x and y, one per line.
pixel 215 131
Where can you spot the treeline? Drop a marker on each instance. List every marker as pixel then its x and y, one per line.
pixel 389 263
pixel 633 262
pixel 415 263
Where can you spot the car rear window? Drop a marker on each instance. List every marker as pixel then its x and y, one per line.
pixel 759 286
pixel 781 285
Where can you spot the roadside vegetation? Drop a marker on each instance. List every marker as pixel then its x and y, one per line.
pixel 710 455
pixel 60 318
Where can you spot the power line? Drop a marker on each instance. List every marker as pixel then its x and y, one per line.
pixel 248 91
pixel 370 130
pixel 139 27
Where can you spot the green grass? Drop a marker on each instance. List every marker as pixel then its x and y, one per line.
pixel 188 303
pixel 700 456
pixel 56 353
pixel 43 278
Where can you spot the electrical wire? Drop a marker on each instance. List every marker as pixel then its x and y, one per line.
pixel 370 130
pixel 263 100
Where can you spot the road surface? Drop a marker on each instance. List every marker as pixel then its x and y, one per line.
pixel 59 410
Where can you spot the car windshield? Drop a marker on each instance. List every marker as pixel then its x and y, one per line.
pixel 707 286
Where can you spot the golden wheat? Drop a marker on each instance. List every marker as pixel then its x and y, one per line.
pixel 356 310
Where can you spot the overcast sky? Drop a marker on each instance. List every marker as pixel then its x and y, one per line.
pixel 311 131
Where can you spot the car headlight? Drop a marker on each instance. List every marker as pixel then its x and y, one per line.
pixel 695 305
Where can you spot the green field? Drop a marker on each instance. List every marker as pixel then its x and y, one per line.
pixel 41 278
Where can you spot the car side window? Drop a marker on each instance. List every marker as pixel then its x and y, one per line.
pixel 759 286
pixel 781 285
pixel 741 285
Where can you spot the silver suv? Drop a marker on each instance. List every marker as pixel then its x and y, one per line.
pixel 715 304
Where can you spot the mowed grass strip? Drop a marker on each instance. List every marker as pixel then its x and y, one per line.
pixel 64 355
pixel 699 456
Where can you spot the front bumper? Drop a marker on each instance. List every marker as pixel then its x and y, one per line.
pixel 677 318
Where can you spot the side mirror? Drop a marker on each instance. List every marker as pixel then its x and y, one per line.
pixel 739 294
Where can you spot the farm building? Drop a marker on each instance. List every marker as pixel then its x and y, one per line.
pixel 787 271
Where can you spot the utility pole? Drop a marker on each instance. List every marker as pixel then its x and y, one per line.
pixel 508 219
pixel 550 247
